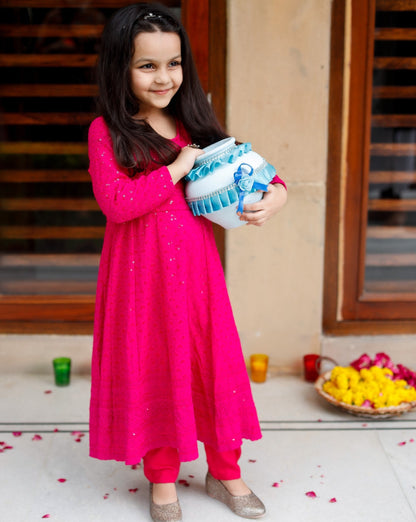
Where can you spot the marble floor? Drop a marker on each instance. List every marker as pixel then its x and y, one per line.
pixel 359 470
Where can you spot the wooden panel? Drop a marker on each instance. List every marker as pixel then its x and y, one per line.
pixel 17 232
pixel 43 176
pixel 397 62
pixel 394 92
pixel 77 3
pixel 393 120
pixel 396 5
pixel 194 16
pixel 48 287
pixel 392 176
pixel 50 30
pixel 46 118
pixel 392 205
pixel 47 60
pixel 333 192
pixel 393 149
pixel 381 232
pixel 390 259
pixel 78 259
pixel 28 147
pixel 61 204
pixel 395 33
pixel 48 91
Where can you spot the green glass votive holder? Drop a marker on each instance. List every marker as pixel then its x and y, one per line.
pixel 62 370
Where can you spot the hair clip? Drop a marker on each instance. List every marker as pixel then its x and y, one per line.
pixel 151 15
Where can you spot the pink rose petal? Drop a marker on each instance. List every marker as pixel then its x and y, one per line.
pixel 17 434
pixel 8 447
pixel 46 516
pixel 184 483
pixel 402 443
pixel 61 480
pixel 55 430
pixel 105 497
pixel 36 437
pixel 310 494
pixel 411 440
pixel 333 500
pixel 133 490
pixel 275 485
pixel 135 466
pixel 47 391
pixel 191 476
pixel 252 460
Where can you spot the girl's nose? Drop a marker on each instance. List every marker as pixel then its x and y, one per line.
pixel 162 76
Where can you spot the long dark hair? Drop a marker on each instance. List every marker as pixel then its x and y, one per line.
pixel 136 144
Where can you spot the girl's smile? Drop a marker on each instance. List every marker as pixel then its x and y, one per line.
pixel 156 70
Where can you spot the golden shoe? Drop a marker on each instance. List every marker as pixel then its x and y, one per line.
pixel 246 506
pixel 164 512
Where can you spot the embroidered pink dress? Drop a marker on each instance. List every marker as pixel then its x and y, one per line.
pixel 167 366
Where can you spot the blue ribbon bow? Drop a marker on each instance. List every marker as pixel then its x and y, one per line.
pixel 244 178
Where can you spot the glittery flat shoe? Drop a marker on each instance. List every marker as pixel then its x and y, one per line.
pixel 246 506
pixel 164 512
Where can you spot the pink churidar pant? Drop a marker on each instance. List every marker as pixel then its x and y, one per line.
pixel 161 465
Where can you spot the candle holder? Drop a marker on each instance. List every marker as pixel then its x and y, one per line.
pixel 258 367
pixel 311 367
pixel 62 370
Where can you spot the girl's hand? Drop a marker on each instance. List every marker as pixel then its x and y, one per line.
pixel 183 163
pixel 261 211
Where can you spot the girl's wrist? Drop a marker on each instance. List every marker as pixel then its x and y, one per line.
pixel 176 171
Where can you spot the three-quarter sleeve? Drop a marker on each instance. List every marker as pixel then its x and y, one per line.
pixel 120 197
pixel 277 180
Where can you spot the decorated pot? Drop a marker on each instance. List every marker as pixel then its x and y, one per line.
pixel 223 179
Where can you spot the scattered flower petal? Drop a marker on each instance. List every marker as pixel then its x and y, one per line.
pixel 47 391
pixel 364 425
pixel 332 500
pixel 184 483
pixel 36 437
pixel 8 447
pixel 61 480
pixel 46 516
pixel 252 460
pixel 275 485
pixel 105 497
pixel 402 443
pixel 55 430
pixel 411 440
pixel 191 476
pixel 133 490
pixel 17 434
pixel 135 466
pixel 310 494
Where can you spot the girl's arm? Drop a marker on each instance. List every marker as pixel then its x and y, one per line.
pixel 120 197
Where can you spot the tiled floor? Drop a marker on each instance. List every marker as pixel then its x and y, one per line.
pixel 307 446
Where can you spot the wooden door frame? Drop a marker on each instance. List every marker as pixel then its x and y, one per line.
pixel 209 47
pixel 335 258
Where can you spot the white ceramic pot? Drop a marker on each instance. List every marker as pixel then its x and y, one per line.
pixel 224 178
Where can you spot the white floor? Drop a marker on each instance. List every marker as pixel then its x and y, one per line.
pixel 368 467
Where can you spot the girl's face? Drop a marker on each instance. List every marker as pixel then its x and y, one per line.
pixel 156 70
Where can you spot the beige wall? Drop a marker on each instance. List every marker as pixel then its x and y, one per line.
pixel 277 90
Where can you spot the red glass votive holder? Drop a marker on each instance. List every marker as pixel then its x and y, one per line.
pixel 311 366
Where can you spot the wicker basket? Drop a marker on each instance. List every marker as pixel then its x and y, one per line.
pixel 360 411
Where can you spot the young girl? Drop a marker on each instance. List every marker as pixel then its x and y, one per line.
pixel 167 367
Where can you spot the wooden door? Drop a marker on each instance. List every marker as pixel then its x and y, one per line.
pixel 370 280
pixel 51 229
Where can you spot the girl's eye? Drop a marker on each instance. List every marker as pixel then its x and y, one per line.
pixel 146 66
pixel 175 63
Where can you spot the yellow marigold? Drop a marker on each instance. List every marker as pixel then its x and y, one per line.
pixel 373 384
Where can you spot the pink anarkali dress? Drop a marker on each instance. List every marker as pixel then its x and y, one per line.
pixel 167 365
